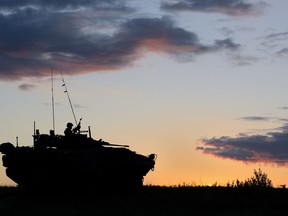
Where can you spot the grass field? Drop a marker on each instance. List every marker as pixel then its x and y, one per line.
pixel 151 200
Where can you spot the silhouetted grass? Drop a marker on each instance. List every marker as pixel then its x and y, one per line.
pixel 151 200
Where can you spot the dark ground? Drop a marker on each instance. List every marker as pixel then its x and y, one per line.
pixel 151 200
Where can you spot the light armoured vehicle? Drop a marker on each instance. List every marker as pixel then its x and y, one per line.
pixel 62 161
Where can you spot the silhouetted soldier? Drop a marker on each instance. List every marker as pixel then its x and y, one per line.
pixel 52 133
pixel 52 139
pixel 68 130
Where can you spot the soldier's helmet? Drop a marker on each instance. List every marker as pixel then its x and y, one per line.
pixel 69 125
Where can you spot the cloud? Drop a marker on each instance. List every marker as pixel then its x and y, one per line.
pixel 78 106
pixel 63 5
pixel 238 59
pixel 26 87
pixel 283 107
pixel 282 52
pixel 255 118
pixel 228 7
pixel 271 148
pixel 261 118
pixel 268 148
pixel 275 41
pixel 277 36
pixel 75 38
pixel 227 43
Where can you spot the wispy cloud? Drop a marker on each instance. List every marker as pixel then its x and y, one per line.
pixel 277 36
pixel 228 7
pixel 238 59
pixel 283 107
pixel 283 52
pixel 276 42
pixel 78 106
pixel 26 87
pixel 255 118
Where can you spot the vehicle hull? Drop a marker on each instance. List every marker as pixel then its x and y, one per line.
pixel 98 167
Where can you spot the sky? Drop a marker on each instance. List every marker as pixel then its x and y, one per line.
pixel 201 83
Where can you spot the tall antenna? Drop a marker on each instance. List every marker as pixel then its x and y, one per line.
pixel 66 91
pixel 52 90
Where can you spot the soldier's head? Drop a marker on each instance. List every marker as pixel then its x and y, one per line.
pixel 69 125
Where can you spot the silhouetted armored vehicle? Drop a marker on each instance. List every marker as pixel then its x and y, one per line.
pixel 61 161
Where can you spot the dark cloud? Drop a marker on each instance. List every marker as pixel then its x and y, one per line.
pixel 12 5
pixel 34 39
pixel 26 87
pixel 271 148
pixel 229 7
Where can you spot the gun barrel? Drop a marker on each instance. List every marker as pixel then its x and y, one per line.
pixel 109 144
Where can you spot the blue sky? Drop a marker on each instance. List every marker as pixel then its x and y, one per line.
pixel 200 83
